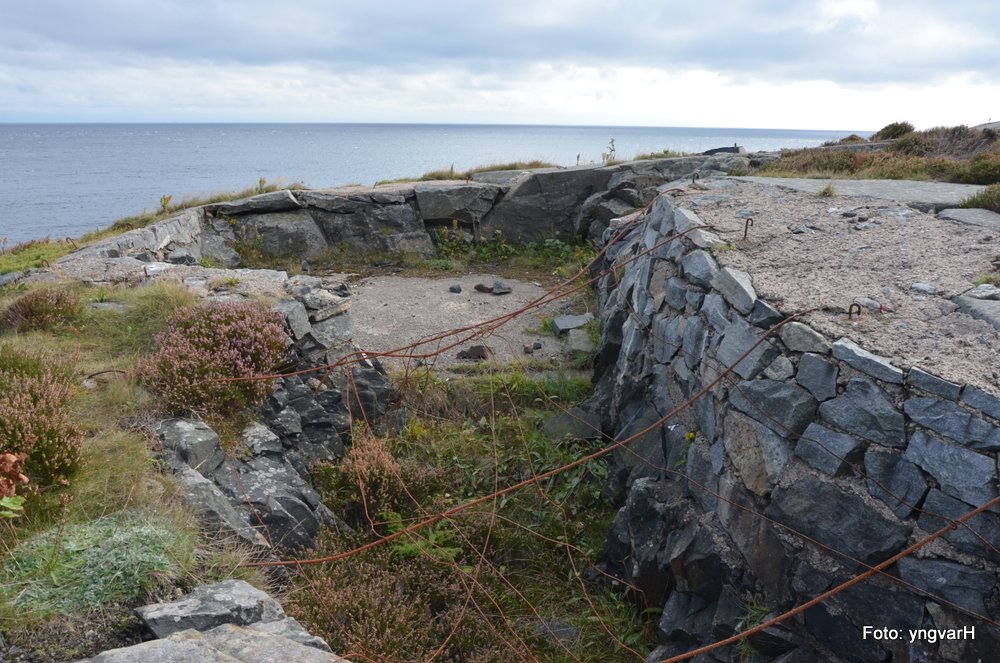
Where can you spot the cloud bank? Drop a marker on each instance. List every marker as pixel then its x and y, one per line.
pixel 845 64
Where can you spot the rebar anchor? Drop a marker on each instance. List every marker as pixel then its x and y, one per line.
pixel 747 226
pixel 850 310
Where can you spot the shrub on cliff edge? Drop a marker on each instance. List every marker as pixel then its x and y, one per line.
pixel 204 348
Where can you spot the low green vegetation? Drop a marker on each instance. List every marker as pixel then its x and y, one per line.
pixel 947 154
pixel 827 192
pixel 94 564
pixel 665 153
pixel 493 581
pixel 102 529
pixel 988 198
pixel 43 252
pixel 451 174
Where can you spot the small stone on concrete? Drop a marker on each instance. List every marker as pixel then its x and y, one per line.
pixel 475 353
pixel 563 323
pixel 925 288
pixel 500 288
pixel 455 288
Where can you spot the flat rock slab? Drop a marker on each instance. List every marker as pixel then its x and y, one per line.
pixel 973 217
pixel 224 644
pixel 921 195
pixel 228 602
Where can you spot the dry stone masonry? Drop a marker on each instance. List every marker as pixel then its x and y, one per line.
pixel 810 459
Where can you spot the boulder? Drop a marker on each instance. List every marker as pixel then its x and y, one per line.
pixel 699 268
pixel 190 444
pixel 467 201
pixel 282 234
pixel 932 384
pixel 215 510
pixel 227 643
pixel 756 451
pixel 737 287
pixel 228 602
pixel 542 205
pixel 857 357
pixel 359 223
pixel 737 340
pixel 977 536
pixel 829 452
pixel 273 491
pixel 818 376
pixel 265 203
pixel 798 337
pixel 963 585
pixel 983 401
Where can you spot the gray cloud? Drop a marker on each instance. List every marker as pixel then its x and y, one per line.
pixel 489 45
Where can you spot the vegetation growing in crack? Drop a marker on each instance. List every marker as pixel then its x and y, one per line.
pixel 493 583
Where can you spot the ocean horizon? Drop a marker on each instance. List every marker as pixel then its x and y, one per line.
pixel 65 179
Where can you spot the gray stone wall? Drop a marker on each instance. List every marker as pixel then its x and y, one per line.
pixel 811 458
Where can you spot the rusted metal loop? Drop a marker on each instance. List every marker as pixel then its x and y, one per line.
pixel 747 226
pixel 44 263
pixel 695 176
pixel 850 310
pixel 69 240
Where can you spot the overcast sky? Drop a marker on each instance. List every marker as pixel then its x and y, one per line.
pixel 809 64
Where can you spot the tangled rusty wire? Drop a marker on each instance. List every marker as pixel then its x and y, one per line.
pixel 430 347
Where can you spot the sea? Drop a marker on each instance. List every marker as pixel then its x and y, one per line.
pixel 63 180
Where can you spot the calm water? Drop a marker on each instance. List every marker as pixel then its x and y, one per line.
pixel 63 180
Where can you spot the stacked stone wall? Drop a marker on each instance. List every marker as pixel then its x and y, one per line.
pixel 809 460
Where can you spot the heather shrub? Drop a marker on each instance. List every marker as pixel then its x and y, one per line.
pixel 44 308
pixel 35 419
pixel 206 354
pixel 378 607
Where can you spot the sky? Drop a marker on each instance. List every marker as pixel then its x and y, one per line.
pixel 795 64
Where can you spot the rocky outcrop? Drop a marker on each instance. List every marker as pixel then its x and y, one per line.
pixel 228 622
pixel 522 206
pixel 812 457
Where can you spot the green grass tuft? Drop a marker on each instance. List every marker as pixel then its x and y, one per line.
pixel 92 565
pixel 988 198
